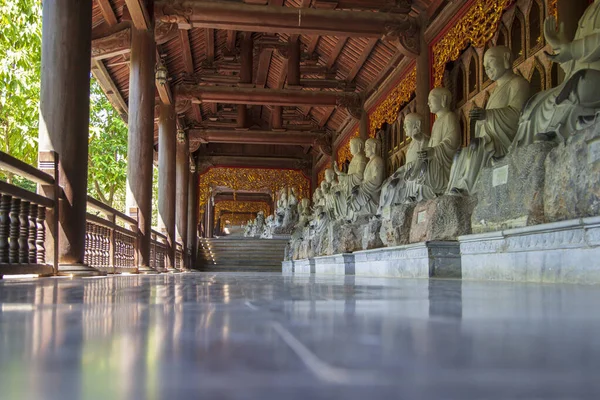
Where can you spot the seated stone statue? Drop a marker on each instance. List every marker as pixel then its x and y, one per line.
pixel 354 176
pixel 364 198
pixel 259 224
pixel 571 106
pixel 291 212
pixel 496 125
pixel 281 207
pixel 393 189
pixel 329 195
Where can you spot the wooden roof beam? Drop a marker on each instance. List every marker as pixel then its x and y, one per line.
pixel 110 89
pixel 260 96
pixel 335 53
pixel 139 14
pixel 107 12
pixel 113 45
pixel 299 138
pixel 384 5
pixel 401 28
pixel 252 161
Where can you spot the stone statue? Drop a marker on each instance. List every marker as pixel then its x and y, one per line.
pixel 329 196
pixel 364 198
pixel 393 190
pixel 291 211
pixel 248 229
pixel 571 106
pixel 354 176
pixel 259 224
pixel 495 126
pixel 281 207
pixel 269 225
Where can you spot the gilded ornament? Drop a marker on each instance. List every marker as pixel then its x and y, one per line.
pixel 238 207
pixel 253 180
pixel 476 27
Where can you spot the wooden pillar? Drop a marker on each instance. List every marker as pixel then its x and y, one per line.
pixel 364 125
pixel 192 232
pixel 141 138
pixel 424 83
pixel 247 59
pixel 569 13
pixel 182 178
pixel 277 117
pixel 167 132
pixel 294 62
pixel 64 120
pixel 242 116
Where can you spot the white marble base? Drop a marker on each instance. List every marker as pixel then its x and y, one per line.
pixel 339 264
pixel 287 267
pixel 305 266
pixel 559 252
pixel 419 260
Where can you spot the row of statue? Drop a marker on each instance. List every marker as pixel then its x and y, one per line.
pixel 281 222
pixel 435 164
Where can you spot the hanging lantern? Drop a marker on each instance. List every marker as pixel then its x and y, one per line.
pixel 162 74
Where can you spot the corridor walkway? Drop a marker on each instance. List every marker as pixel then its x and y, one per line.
pixel 268 336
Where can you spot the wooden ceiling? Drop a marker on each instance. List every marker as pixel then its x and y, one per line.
pixel 211 57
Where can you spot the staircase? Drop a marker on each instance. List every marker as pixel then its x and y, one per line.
pixel 241 254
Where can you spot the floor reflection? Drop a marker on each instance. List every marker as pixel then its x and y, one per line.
pixel 235 335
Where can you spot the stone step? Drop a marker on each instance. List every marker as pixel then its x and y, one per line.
pixel 242 254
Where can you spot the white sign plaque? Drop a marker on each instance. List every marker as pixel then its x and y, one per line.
pixel 500 176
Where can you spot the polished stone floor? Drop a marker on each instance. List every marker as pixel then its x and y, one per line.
pixel 267 336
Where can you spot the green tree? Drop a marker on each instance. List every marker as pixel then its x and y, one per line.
pixel 20 63
pixel 107 160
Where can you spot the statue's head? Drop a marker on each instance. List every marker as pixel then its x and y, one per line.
pixel 439 100
pixel 325 187
pixel 356 146
pixel 497 61
pixel 413 126
pixel 318 194
pixel 329 175
pixel 372 147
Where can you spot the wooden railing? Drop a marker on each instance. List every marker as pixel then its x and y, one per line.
pixel 23 226
pixel 158 251
pixel 27 239
pixel 109 247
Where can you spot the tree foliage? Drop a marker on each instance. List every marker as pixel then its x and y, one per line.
pixel 107 160
pixel 20 63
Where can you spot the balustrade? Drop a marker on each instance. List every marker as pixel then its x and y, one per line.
pixel 23 223
pixel 27 248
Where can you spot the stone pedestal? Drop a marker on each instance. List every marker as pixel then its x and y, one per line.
pixel 558 252
pixel 395 225
pixel 345 237
pixel 287 267
pixel 304 266
pixel 419 260
pixel 441 219
pixel 572 186
pixel 371 238
pixel 510 194
pixel 339 264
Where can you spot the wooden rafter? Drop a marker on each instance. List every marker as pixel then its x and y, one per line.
pixel 139 14
pixel 209 35
pixel 361 59
pixel 231 36
pixel 325 117
pixel 110 89
pixel 335 53
pixel 188 63
pixel 107 12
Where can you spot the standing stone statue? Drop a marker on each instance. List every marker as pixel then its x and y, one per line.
pixel 354 176
pixel 291 211
pixel 496 125
pixel 571 106
pixel 281 207
pixel 364 198
pixel 259 225
pixel 393 190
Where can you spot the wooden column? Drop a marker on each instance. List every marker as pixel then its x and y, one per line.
pixel 364 125
pixel 192 231
pixel 247 59
pixel 293 76
pixel 167 132
pixel 64 119
pixel 242 116
pixel 424 83
pixel 141 138
pixel 569 13
pixel 277 121
pixel 182 178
